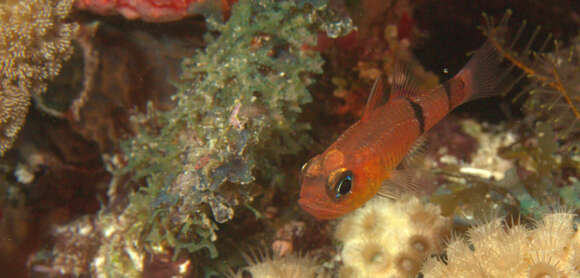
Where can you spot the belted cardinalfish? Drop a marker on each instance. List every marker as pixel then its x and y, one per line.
pixel 363 160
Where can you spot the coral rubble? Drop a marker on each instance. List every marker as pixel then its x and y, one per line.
pixel 34 42
pixel 76 246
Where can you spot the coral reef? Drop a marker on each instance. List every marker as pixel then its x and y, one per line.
pixel 34 42
pixel 388 238
pixel 155 11
pixel 498 249
pixel 162 150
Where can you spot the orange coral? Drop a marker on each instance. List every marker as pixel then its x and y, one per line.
pixel 154 11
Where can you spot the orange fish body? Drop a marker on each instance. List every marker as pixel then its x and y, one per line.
pixel 355 166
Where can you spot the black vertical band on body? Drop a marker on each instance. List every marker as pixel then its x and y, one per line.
pixel 418 114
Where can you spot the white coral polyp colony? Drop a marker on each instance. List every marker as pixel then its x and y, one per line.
pixel 390 238
pixel 550 249
pixel 262 265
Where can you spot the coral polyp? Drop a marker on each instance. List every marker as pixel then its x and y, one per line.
pixel 388 238
pixel 263 265
pixel 35 40
pixel 496 249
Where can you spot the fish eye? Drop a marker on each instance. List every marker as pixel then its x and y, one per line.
pixel 340 183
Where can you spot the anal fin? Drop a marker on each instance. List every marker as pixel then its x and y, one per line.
pixel 414 181
pixel 416 154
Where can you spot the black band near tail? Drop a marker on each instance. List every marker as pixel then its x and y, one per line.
pixel 418 115
pixel 447 87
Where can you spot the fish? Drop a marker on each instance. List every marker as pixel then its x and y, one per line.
pixel 363 161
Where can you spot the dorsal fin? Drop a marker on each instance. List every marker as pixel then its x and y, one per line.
pixel 403 82
pixel 374 99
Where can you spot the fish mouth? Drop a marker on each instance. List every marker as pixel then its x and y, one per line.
pixel 320 211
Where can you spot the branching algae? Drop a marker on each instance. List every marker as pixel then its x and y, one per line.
pixel 549 158
pixel 235 116
pixel 554 86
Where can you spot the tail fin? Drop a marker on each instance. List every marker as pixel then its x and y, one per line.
pixel 485 75
pixel 496 68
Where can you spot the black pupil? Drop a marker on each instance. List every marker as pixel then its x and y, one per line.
pixel 344 184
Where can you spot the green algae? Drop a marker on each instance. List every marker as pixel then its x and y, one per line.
pixel 235 116
pixel 570 195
